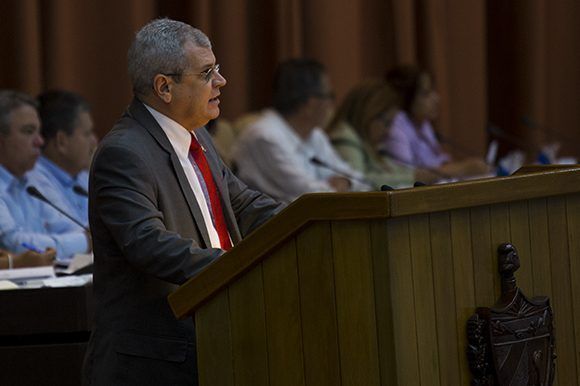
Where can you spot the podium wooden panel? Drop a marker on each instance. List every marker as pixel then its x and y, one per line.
pixel 376 288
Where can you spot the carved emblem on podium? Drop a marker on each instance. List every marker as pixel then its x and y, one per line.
pixel 512 343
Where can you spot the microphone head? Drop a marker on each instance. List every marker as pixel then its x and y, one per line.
pixel 386 188
pixel 35 193
pixel 493 129
pixel 316 161
pixel 80 191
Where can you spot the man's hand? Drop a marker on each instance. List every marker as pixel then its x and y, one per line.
pixel 34 259
pixel 469 167
pixel 340 184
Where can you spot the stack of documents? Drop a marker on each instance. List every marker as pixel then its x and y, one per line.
pixel 24 275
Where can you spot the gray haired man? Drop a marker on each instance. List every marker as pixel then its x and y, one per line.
pixel 162 206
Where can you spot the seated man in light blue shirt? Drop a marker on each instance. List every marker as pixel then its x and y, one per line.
pixel 26 222
pixel 69 144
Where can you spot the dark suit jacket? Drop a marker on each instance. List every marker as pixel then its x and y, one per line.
pixel 148 238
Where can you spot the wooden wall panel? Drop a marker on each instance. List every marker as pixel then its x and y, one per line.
pixel 248 324
pixel 540 254
pixel 500 233
pixel 283 322
pixel 404 325
pixel 318 308
pixel 561 290
pixel 464 282
pixel 484 257
pixel 421 264
pixel 540 247
pixel 573 216
pixel 445 305
pixel 214 353
pixel 355 305
pixel 383 303
pixel 520 237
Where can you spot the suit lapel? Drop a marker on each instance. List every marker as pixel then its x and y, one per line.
pixel 138 111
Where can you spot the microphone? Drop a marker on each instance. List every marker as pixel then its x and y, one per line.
pixel 552 140
pixel 409 165
pixel 316 161
pixel 510 138
pixel 386 188
pixel 39 196
pixel 80 191
pixel 454 145
pixel 532 124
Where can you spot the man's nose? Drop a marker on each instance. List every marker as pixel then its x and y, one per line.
pixel 94 139
pixel 38 140
pixel 219 80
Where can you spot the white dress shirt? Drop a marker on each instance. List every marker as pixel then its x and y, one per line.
pixel 271 157
pixel 180 139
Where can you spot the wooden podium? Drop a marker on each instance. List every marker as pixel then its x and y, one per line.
pixel 376 288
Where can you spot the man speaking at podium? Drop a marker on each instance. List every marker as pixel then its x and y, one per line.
pixel 162 206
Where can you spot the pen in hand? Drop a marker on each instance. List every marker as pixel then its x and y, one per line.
pixel 32 248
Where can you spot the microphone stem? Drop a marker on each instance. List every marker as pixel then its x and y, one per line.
pixel 39 196
pixel 318 162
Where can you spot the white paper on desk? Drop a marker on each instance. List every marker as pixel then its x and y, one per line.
pixel 7 285
pixel 78 261
pixel 67 281
pixel 24 274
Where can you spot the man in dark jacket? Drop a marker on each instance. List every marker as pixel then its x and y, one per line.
pixel 162 206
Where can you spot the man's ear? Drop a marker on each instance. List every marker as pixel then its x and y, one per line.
pixel 162 86
pixel 61 139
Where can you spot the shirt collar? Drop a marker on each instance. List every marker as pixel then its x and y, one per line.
pixel 7 179
pixel 178 135
pixel 62 176
pixel 291 139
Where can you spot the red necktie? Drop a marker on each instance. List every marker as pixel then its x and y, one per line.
pixel 219 220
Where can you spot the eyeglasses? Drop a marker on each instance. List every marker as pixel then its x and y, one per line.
pixel 206 75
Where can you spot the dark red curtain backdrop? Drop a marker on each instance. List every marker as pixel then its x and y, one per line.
pixel 493 61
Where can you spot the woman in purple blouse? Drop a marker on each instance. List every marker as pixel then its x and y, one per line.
pixel 411 139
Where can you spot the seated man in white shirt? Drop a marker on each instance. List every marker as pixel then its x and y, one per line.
pixel 275 153
pixel 69 144
pixel 25 221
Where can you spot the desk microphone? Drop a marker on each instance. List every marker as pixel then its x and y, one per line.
pixel 39 196
pixel 435 172
pixel 386 188
pixel 454 145
pixel 316 161
pixel 556 135
pixel 80 191
pixel 510 138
